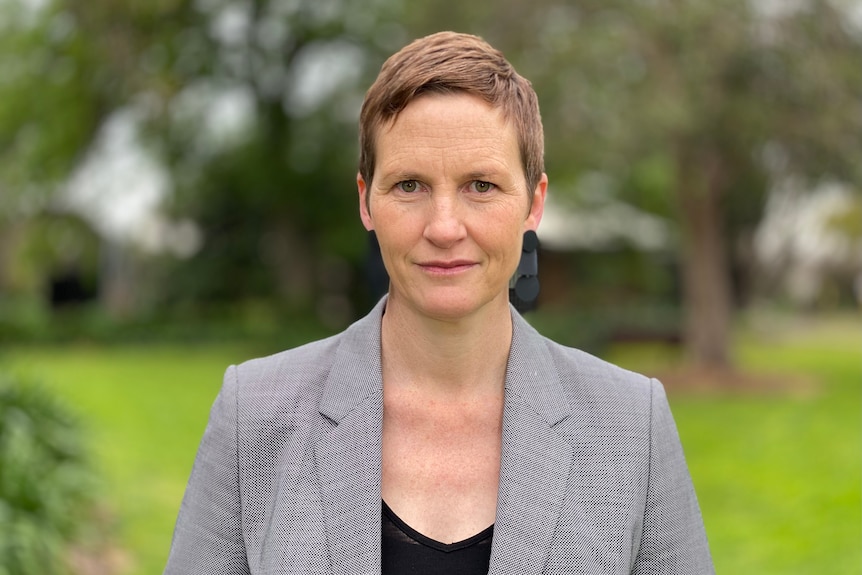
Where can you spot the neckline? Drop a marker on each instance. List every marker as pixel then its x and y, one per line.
pixel 433 543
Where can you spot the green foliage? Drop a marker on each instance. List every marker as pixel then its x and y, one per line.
pixel 273 193
pixel 50 108
pixel 252 107
pixel 50 244
pixel 694 111
pixel 26 321
pixel 849 221
pixel 45 484
pixel 743 95
pixel 146 407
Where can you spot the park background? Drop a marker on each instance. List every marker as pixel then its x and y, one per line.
pixel 177 193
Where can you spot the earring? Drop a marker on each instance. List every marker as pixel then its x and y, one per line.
pixel 375 271
pixel 524 286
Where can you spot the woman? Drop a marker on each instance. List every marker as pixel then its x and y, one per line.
pixel 441 433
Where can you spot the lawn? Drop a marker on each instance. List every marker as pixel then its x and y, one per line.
pixel 778 469
pixel 144 410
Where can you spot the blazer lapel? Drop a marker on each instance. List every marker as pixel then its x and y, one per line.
pixel 348 455
pixel 535 461
pixel 534 468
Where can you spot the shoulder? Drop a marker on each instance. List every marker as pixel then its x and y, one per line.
pixel 602 391
pixel 283 387
pixel 590 373
pixel 612 408
pixel 299 378
pixel 595 389
pixel 295 369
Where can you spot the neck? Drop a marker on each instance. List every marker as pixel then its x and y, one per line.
pixel 463 356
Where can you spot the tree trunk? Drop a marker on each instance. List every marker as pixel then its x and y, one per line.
pixel 289 254
pixel 7 243
pixel 706 284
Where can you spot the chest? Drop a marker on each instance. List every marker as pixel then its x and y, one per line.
pixel 440 468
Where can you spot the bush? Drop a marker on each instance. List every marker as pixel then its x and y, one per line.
pixel 45 484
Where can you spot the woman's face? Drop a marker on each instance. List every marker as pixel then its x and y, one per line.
pixel 449 205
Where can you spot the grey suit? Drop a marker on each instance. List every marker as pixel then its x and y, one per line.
pixel 287 478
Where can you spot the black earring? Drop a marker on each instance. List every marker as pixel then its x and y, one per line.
pixel 524 287
pixel 375 271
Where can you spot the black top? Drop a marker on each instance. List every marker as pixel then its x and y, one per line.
pixel 404 550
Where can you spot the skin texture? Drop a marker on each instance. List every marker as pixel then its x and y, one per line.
pixel 449 204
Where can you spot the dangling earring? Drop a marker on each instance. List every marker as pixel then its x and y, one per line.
pixel 524 286
pixel 375 271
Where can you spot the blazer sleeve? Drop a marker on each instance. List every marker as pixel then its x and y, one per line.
pixel 208 537
pixel 673 539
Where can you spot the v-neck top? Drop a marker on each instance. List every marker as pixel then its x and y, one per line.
pixel 406 551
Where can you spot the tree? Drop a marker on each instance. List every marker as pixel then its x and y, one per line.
pixel 49 110
pixel 715 103
pixel 691 109
pixel 251 106
pixel 735 100
pixel 273 191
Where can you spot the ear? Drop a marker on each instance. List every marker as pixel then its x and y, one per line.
pixel 537 208
pixel 364 208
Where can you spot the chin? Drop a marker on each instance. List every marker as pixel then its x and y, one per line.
pixel 449 305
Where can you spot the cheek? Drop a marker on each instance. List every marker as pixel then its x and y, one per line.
pixel 507 233
pixel 503 245
pixel 394 237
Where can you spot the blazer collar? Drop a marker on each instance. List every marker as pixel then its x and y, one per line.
pixel 535 460
pixel 348 454
pixel 356 374
pixel 532 375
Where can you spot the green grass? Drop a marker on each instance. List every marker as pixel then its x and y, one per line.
pixel 144 409
pixel 778 474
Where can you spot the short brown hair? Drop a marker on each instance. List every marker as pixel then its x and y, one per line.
pixel 449 62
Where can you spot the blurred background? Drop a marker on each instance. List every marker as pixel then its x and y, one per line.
pixel 177 193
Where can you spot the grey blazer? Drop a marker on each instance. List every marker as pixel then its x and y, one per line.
pixel 287 477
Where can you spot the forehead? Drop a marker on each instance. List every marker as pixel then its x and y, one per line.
pixel 449 129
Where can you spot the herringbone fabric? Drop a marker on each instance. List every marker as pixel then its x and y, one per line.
pixel 287 477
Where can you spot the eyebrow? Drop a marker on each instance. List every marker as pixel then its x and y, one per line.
pixel 400 176
pixel 482 176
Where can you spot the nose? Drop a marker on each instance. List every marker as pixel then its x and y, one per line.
pixel 444 225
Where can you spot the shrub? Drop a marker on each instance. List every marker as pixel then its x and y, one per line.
pixel 45 484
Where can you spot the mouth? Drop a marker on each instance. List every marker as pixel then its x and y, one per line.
pixel 447 268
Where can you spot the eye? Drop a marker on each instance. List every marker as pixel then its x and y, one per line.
pixel 408 186
pixel 481 187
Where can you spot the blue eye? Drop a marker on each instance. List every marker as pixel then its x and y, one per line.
pixel 408 186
